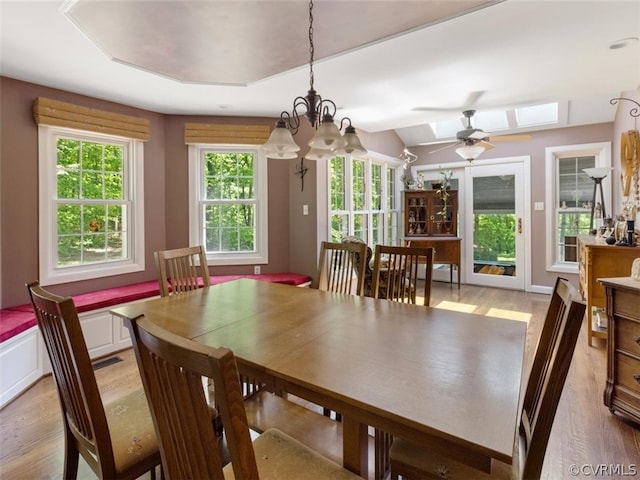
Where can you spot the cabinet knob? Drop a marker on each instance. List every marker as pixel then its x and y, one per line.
pixel 637 340
pixel 637 377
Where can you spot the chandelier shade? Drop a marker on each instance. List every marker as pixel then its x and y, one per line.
pixel 320 114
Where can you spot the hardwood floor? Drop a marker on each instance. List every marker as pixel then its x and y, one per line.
pixel 585 434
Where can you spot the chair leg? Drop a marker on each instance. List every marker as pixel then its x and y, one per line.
pixel 71 458
pixel 382 460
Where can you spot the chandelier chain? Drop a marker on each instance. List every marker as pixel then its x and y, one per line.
pixel 311 48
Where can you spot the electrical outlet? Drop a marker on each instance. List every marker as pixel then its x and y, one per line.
pixel 538 206
pixel 256 270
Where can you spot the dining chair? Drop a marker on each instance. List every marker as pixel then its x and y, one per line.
pixel 116 439
pixel 171 368
pixel 181 270
pixel 359 260
pixel 337 270
pixel 396 270
pixel 552 359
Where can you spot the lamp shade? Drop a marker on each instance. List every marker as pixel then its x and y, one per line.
pixel 470 152
pixel 280 154
pixel 319 154
pixel 328 137
pixel 597 172
pixel 353 146
pixel 281 140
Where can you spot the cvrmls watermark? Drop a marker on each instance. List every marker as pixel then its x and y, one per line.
pixel 603 470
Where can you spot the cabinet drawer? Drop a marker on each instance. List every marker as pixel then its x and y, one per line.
pixel 627 304
pixel 628 372
pixel 628 335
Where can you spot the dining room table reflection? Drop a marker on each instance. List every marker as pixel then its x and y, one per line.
pixel 444 379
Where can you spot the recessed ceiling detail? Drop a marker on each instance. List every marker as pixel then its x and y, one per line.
pixel 242 42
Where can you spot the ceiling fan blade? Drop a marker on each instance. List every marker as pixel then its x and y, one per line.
pixel 451 145
pixel 521 137
pixel 486 145
pixel 472 98
pixel 479 135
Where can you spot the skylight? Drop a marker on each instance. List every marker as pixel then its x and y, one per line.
pixel 537 115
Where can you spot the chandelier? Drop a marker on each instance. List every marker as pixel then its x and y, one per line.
pixel 328 141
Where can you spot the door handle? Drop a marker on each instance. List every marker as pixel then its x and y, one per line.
pixel 519 225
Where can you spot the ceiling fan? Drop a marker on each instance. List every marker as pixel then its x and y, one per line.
pixel 474 141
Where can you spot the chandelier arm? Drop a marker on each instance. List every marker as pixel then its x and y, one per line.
pixel 346 120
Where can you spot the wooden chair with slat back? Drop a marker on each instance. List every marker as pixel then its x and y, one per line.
pixel 171 368
pixel 181 269
pixel 117 439
pixel 553 354
pixel 337 266
pixel 337 270
pixel 396 270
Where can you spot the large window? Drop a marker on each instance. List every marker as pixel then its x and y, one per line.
pixel 363 200
pixel 91 205
pixel 229 204
pixel 569 199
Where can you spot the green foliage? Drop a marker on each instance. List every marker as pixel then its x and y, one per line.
pixel 494 236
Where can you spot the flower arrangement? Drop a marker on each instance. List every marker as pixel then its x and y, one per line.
pixel 443 191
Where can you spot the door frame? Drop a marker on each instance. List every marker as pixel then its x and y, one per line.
pixel 460 173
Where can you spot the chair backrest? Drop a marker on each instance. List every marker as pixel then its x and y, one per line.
pixel 359 260
pixel 181 269
pixel 82 409
pixel 340 269
pixel 551 362
pixel 172 368
pixel 395 273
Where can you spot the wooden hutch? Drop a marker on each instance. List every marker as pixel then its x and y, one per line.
pixel 429 222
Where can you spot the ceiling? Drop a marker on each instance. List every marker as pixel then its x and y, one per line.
pixel 378 60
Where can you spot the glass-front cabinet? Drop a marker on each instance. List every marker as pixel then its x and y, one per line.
pixel 427 214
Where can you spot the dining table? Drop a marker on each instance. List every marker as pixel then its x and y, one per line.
pixel 444 379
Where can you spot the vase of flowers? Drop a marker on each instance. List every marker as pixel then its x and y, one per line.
pixel 443 193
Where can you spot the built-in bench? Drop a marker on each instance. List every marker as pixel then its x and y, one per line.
pixel 22 356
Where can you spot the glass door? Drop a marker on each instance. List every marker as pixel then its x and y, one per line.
pixel 494 225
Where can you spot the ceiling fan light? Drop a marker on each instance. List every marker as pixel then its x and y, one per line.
pixel 470 152
pixel 328 136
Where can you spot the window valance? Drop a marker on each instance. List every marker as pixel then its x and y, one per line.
pixel 62 114
pixel 226 134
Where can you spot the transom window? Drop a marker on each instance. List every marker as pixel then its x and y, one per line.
pixel 229 203
pixel 91 207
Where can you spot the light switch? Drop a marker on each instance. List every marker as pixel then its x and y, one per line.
pixel 305 209
pixel 538 206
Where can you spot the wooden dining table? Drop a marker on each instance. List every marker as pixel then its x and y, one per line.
pixel 444 379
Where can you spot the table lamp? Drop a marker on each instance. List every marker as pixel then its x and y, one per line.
pixel 597 174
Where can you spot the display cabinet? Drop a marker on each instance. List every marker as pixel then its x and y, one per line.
pixel 426 214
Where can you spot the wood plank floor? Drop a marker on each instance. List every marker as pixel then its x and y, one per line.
pixel 584 433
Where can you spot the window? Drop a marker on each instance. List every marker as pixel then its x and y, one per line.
pixel 363 200
pixel 91 205
pixel 569 199
pixel 228 208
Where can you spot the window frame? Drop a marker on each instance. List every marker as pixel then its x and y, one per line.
pixel 196 201
pixel 368 211
pixel 602 153
pixel 133 171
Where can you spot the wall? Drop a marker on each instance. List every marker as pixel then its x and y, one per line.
pixel 166 184
pixel 536 150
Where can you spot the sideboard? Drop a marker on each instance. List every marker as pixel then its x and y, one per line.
pixel 600 260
